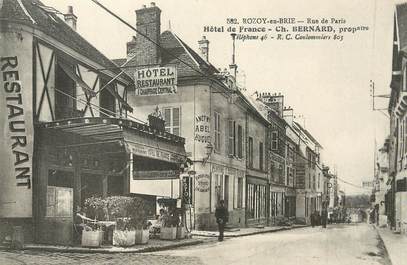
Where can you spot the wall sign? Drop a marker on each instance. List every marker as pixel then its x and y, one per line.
pixel 155 153
pixel 16 123
pixel 202 183
pixel 202 129
pixel 156 81
pixel 156 174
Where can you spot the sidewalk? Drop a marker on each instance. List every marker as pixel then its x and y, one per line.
pixel 153 245
pixel 396 245
pixel 246 231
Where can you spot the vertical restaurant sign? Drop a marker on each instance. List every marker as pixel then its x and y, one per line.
pixel 16 125
pixel 156 81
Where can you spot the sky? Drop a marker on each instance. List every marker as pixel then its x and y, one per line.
pixel 327 83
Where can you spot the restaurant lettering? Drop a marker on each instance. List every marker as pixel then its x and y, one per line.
pixel 156 81
pixel 16 127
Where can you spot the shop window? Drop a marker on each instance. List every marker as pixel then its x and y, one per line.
pixel 59 202
pixel 172 117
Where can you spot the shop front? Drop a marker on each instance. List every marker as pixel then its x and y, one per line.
pixel 80 158
pixel 256 201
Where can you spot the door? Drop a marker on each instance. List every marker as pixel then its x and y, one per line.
pixel 226 191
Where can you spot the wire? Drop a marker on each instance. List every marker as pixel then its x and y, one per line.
pixel 101 109
pixel 157 44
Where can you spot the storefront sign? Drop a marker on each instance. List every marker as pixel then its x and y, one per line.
pixel 156 174
pixel 155 153
pixel 16 123
pixel 202 129
pixel 187 190
pixel 156 81
pixel 202 183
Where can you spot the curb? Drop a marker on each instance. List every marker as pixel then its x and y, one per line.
pixel 256 232
pixel 106 251
pixel 382 245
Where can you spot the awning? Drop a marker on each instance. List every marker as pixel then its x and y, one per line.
pixel 139 138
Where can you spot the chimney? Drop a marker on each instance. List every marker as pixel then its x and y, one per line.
pixel 70 18
pixel 148 21
pixel 204 48
pixel 131 48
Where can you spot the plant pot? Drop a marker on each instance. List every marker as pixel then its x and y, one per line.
pixel 168 233
pixel 142 236
pixel 92 238
pixel 124 238
pixel 181 232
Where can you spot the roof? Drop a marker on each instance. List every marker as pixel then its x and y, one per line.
pixel 308 134
pixel 32 15
pixel 173 49
pixel 401 19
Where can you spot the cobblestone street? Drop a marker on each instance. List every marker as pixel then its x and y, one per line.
pixel 30 257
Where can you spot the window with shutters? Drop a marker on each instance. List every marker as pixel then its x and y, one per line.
pixel 250 152
pixel 239 141
pixel 172 117
pixel 261 156
pixel 217 131
pixel 274 140
pixel 231 138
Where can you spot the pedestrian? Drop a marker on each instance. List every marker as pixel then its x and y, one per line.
pixel 317 218
pixel 324 217
pixel 312 217
pixel 221 215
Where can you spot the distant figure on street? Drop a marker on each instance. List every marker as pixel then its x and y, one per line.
pixel 324 217
pixel 312 217
pixel 221 215
pixel 317 218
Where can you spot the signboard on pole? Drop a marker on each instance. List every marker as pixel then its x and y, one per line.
pixel 156 81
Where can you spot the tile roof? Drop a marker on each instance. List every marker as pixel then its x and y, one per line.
pixel 55 27
pixel 401 14
pixel 172 47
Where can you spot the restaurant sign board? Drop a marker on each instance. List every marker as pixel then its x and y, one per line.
pixel 156 81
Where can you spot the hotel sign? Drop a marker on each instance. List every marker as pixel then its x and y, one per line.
pixel 156 81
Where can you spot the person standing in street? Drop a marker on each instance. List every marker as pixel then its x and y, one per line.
pixel 324 217
pixel 221 215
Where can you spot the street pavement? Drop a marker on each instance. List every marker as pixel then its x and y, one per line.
pixel 353 244
pixel 339 244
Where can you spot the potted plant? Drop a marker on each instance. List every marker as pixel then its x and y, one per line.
pixel 181 231
pixel 138 220
pixel 92 234
pixel 169 231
